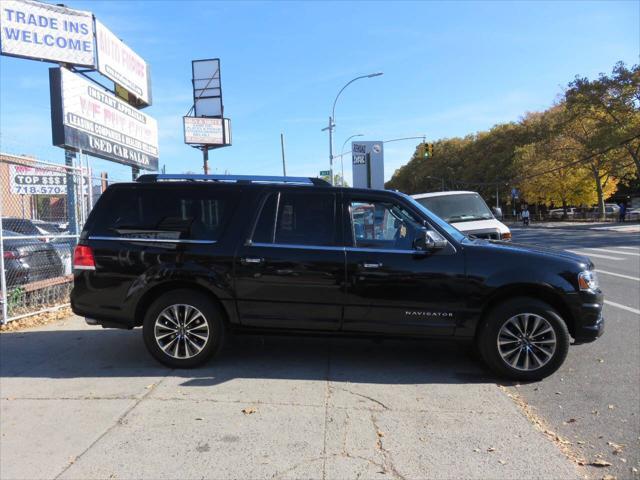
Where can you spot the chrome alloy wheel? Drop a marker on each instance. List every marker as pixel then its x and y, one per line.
pixel 526 342
pixel 181 331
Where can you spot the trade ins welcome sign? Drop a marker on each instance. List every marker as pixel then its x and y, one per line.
pixel 46 32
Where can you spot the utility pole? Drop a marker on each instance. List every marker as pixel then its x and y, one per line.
pixel 284 165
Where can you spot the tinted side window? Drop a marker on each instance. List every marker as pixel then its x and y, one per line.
pixel 264 229
pixel 165 213
pixel 301 218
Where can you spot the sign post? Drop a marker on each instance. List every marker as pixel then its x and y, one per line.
pixel 207 129
pixel 72 218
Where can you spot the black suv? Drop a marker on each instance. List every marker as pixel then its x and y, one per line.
pixel 189 258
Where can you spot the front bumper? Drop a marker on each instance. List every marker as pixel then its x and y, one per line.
pixel 587 314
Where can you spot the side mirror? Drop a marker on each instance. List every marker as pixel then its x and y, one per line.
pixel 428 240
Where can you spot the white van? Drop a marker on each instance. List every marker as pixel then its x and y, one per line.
pixel 467 212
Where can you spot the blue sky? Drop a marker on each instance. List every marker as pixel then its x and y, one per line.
pixel 450 68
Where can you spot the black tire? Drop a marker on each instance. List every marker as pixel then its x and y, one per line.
pixel 215 330
pixel 493 322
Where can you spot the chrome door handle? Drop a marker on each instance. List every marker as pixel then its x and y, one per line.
pixel 252 260
pixel 371 265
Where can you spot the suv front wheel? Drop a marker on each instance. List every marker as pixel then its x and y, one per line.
pixel 183 329
pixel 524 339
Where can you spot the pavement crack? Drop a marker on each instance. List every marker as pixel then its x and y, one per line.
pixel 388 465
pixel 119 421
pixel 364 396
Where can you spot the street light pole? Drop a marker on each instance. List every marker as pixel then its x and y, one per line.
pixel 333 117
pixel 342 155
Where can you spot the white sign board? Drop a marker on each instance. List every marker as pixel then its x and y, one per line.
pixel 368 174
pixel 46 32
pixel 26 180
pixel 89 118
pixel 206 131
pixel 121 64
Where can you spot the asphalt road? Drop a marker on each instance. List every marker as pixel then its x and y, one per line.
pixel 593 401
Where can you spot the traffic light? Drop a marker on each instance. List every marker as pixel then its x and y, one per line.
pixel 426 150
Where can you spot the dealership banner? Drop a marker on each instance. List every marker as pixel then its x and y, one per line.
pixel 42 31
pixel 86 117
pixel 122 65
pixel 26 180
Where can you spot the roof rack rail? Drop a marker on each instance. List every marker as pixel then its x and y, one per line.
pixel 156 177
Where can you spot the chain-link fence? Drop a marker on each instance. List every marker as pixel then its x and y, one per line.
pixel 43 207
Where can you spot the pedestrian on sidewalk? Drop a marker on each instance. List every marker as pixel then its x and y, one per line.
pixel 623 211
pixel 525 216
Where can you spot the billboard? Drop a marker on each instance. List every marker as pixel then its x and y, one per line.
pixel 46 32
pixel 207 89
pixel 368 174
pixel 207 131
pixel 122 65
pixel 27 180
pixel 86 117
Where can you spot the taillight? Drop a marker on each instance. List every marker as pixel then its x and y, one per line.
pixel 9 255
pixel 83 258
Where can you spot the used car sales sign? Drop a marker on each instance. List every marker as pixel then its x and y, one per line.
pixel 88 118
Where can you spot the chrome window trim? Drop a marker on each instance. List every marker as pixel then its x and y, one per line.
pixel 331 248
pixel 385 250
pixel 294 245
pixel 150 240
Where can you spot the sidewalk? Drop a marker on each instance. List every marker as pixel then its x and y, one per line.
pixel 83 402
pixel 627 227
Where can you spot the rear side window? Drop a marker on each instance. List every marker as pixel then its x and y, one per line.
pixel 297 218
pixel 164 213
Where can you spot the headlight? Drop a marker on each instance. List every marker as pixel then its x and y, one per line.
pixel 506 236
pixel 588 280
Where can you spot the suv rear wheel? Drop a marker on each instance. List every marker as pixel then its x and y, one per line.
pixel 183 329
pixel 524 339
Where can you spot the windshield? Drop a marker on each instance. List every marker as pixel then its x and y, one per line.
pixel 433 218
pixel 465 207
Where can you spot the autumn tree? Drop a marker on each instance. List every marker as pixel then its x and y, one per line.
pixel 612 104
pixel 552 169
